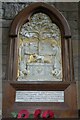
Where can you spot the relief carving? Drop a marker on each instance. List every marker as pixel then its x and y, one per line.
pixel 40 50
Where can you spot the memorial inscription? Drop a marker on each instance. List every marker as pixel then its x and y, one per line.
pixel 39 96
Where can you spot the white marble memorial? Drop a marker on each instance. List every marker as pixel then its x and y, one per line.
pixel 39 96
pixel 39 50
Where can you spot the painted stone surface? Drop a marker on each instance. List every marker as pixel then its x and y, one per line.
pixel 39 50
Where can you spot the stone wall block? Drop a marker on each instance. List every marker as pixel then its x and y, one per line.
pixel 3 72
pixel 0 4
pixel 0 50
pixel 74 33
pixel 5 35
pixel 73 24
pixel 75 47
pixel 72 15
pixel 1 13
pixel 12 9
pixel 0 36
pixel 0 83
pixel 5 23
pixel 67 6
pixel 0 103
pixel 4 59
pixel 75 61
pixel 4 49
pixel 0 75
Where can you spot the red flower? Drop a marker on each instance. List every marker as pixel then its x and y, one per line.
pixel 37 113
pixel 23 114
pixel 48 114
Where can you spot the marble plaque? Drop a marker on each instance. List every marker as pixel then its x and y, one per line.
pixel 39 96
pixel 39 50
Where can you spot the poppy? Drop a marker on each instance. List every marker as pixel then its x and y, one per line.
pixel 48 114
pixel 37 113
pixel 23 114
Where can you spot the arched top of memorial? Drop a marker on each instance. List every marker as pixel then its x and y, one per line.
pixel 51 11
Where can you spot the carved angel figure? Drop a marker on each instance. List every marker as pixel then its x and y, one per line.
pixel 23 68
pixel 57 68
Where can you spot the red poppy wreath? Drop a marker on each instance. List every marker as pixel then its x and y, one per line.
pixel 37 114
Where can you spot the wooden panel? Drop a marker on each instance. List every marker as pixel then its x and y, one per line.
pixel 8 99
pixel 18 85
pixel 71 96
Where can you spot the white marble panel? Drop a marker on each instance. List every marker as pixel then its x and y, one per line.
pixel 39 96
